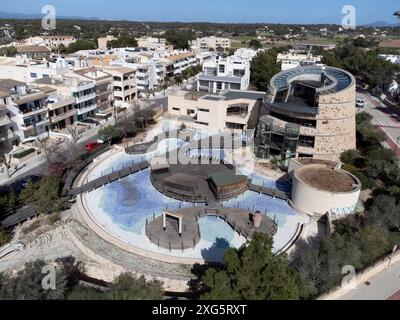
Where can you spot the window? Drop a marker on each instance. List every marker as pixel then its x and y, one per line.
pixel 190 112
pixel 235 126
pixel 45 76
pixel 202 123
pixel 204 110
pixel 219 85
pixel 33 75
pixel 176 109
pixel 221 68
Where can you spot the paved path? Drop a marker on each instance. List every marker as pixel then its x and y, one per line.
pixel 382 118
pixel 383 286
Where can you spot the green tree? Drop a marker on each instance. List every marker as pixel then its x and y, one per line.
pixel 252 273
pixel 8 51
pixel 385 211
pixel 5 236
pixel 111 133
pixel 179 39
pixel 129 287
pixel 81 45
pixel 44 195
pixel 124 40
pixel 263 68
pixel 27 284
pixel 255 44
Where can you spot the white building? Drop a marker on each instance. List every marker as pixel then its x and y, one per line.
pixel 51 42
pixel 294 59
pixel 229 110
pixel 154 44
pixel 211 43
pixel 103 41
pixel 124 84
pixel 231 73
pixel 27 110
pixel 391 58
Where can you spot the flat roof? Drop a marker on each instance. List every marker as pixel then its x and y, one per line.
pixel 327 178
pixel 180 56
pixel 224 178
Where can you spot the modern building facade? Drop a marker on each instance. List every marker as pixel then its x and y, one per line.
pixel 231 73
pixel 211 43
pixel 124 84
pixel 27 110
pixel 6 129
pixel 103 87
pixel 62 112
pixel 294 59
pixel 229 110
pixel 310 112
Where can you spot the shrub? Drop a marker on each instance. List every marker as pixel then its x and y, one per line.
pixel 5 237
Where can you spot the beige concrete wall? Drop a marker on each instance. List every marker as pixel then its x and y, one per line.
pixel 309 199
pixel 336 124
pixel 217 117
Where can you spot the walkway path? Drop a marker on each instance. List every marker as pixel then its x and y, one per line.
pixel 383 286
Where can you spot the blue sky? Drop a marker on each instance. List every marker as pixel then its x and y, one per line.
pixel 264 11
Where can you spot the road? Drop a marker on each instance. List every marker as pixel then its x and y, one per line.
pixel 383 118
pixel 384 286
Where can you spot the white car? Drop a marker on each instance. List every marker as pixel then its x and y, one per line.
pixel 360 103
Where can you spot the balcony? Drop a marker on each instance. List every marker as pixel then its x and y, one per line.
pixel 86 109
pixel 82 87
pixel 63 116
pixel 85 98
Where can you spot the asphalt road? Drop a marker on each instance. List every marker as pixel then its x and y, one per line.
pixel 385 118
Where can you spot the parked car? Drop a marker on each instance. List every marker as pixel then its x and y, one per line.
pixel 29 179
pixel 91 146
pixel 102 140
pixel 360 103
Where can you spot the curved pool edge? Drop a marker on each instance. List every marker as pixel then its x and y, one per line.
pixel 106 235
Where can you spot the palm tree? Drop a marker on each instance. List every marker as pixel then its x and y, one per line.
pixel 397 13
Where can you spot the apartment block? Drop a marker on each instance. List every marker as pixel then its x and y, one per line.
pixel 51 42
pixel 102 42
pixel 124 84
pixel 27 110
pixel 211 43
pixel 84 93
pixel 229 110
pixel 178 62
pixel 61 112
pixel 294 59
pixel 6 131
pixel 103 87
pixel 231 73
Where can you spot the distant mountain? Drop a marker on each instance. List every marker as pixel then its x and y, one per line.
pixel 380 24
pixel 21 16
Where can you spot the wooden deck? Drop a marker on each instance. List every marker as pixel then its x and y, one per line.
pixel 238 219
